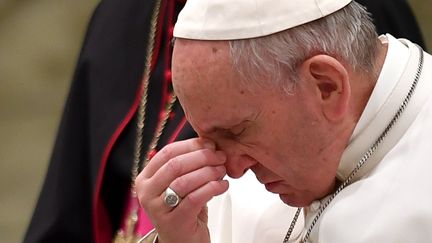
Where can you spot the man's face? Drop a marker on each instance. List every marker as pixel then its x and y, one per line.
pixel 280 137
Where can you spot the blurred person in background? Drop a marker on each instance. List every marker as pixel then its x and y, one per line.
pixel 120 111
pixel 123 79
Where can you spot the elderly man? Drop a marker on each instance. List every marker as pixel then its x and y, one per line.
pixel 328 115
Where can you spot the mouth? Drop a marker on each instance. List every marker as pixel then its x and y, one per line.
pixel 274 187
pixel 285 193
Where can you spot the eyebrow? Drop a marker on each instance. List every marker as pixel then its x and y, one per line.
pixel 213 129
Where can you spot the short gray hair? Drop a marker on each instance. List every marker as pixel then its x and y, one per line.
pixel 347 35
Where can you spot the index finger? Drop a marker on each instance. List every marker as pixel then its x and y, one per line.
pixel 173 150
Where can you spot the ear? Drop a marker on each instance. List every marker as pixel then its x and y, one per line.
pixel 328 81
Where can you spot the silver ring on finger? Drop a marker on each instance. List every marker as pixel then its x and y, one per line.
pixel 171 198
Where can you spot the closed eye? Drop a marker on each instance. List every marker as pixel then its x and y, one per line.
pixel 237 131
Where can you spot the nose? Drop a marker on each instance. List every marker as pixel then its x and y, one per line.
pixel 236 166
pixel 237 160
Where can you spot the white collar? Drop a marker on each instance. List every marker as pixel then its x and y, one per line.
pixel 408 92
pixel 394 64
pixel 394 82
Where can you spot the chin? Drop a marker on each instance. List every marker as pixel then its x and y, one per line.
pixel 295 201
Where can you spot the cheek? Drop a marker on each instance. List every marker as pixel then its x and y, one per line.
pixel 285 152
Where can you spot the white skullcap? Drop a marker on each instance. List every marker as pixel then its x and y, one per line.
pixel 241 19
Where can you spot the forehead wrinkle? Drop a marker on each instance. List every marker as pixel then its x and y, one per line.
pixel 203 69
pixel 199 70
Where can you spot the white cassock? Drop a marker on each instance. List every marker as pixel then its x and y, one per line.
pixel 390 199
pixel 248 213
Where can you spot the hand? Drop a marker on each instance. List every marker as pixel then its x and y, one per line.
pixel 195 171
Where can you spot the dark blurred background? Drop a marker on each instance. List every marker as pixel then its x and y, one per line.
pixel 39 45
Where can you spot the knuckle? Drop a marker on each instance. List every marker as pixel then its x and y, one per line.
pixel 138 178
pixel 193 200
pixel 174 167
pixel 166 153
pixel 142 196
pixel 180 184
pixel 142 201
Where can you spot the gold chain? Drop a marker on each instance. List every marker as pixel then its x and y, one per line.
pixel 144 90
pixel 129 236
pixel 160 129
